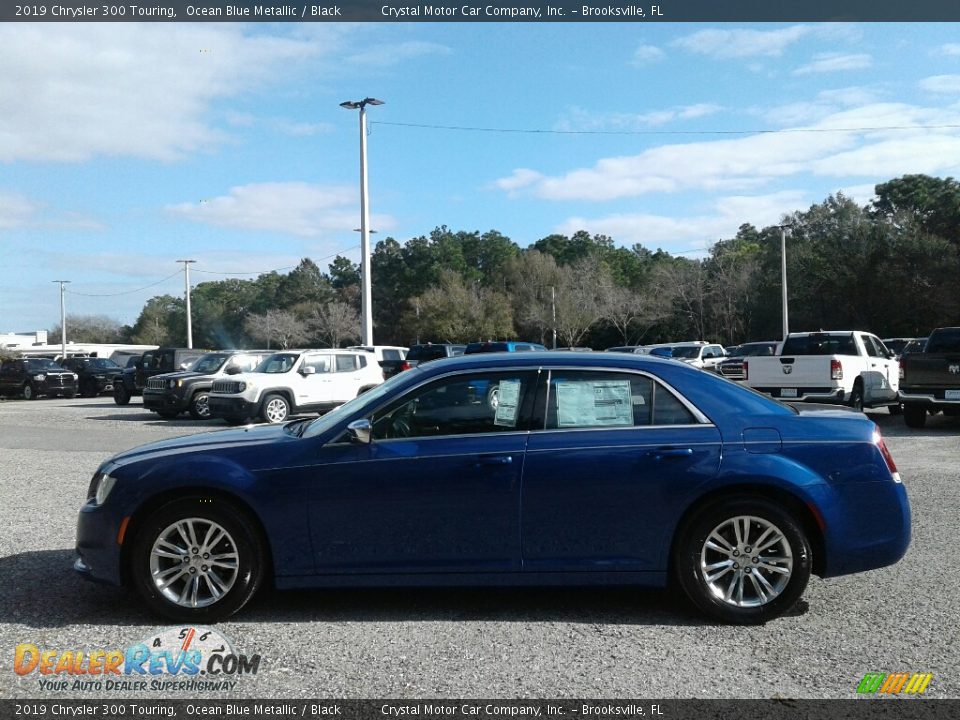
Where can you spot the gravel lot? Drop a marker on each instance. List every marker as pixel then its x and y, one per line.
pixel 496 643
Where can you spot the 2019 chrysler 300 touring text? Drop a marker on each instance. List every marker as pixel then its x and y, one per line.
pixel 590 468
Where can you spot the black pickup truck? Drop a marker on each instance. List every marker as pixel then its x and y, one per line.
pixel 95 375
pixel 930 380
pixel 418 354
pixel 33 377
pixel 133 380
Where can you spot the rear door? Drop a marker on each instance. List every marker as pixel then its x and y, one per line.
pixel 607 477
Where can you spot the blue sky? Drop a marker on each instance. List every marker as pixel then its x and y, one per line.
pixel 124 147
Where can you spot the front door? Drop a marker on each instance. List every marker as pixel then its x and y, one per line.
pixel 438 488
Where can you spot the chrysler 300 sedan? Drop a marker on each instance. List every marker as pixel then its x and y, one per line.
pixel 599 468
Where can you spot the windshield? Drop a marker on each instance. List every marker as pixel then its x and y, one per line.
pixel 40 364
pixel 102 364
pixel 687 352
pixel 278 363
pixel 209 363
pixel 371 398
pixel 754 350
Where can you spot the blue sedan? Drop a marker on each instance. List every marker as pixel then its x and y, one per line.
pixel 585 469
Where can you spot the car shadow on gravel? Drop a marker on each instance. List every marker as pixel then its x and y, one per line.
pixel 40 590
pixel 939 425
pixel 148 418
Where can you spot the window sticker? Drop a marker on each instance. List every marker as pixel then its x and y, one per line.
pixel 508 402
pixel 592 403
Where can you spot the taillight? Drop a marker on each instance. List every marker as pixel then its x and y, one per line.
pixel 746 370
pixel 901 368
pixel 405 365
pixel 836 370
pixel 885 451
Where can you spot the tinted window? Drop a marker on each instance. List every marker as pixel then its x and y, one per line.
pixel 589 399
pixel 209 363
pixel 755 350
pixel 820 344
pixel 422 353
pixel 346 363
pixel 40 364
pixel 392 355
pixel 466 404
pixel 944 341
pixel 320 363
pixel 278 363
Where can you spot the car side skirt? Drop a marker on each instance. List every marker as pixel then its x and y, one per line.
pixel 504 579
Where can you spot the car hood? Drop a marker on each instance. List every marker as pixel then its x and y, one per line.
pixel 180 375
pixel 214 441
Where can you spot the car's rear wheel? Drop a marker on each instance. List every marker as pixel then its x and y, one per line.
pixel 856 396
pixel 197 559
pixel 914 416
pixel 743 560
pixel 29 392
pixel 200 406
pixel 275 409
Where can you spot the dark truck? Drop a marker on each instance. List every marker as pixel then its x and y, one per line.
pixel 170 394
pixel 95 375
pixel 930 379
pixel 420 354
pixel 33 377
pixel 133 380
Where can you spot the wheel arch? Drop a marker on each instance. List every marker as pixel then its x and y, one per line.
pixel 284 392
pixel 807 517
pixel 185 492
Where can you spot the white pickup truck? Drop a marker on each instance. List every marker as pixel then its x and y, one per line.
pixel 849 367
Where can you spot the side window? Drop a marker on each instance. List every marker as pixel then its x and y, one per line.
pixel 392 355
pixel 362 359
pixel 320 363
pixel 346 363
pixel 583 399
pixel 467 404
pixel 870 346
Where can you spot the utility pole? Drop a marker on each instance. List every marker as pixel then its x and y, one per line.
pixel 63 320
pixel 553 308
pixel 783 276
pixel 186 292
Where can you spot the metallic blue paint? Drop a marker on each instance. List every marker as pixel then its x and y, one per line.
pixel 544 506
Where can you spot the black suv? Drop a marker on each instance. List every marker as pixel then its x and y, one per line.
pixel 170 394
pixel 33 377
pixel 133 380
pixel 95 375
pixel 420 354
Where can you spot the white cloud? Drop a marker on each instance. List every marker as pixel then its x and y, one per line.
pixel 943 84
pixel 17 211
pixel 724 44
pixel 293 208
pixel 848 143
pixel 835 62
pixel 824 104
pixel 145 92
pixel 951 49
pixel 385 55
pixel 696 231
pixel 646 55
pixel 579 119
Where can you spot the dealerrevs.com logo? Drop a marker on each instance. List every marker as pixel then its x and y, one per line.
pixel 894 683
pixel 189 659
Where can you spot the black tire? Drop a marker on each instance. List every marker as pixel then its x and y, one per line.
pixel 89 389
pixel 895 409
pixel 70 394
pixel 493 397
pixel 200 405
pixel 237 587
pixel 121 396
pixel 785 589
pixel 275 408
pixel 915 416
pixel 30 392
pixel 856 396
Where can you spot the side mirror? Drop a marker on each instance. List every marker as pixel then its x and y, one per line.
pixel 233 370
pixel 308 370
pixel 360 431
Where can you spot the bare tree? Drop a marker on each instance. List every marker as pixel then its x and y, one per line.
pixel 634 312
pixel 335 322
pixel 279 326
pixel 532 279
pixel 581 298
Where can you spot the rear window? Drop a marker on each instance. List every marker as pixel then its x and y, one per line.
pixel 944 341
pixel 820 344
pixel 392 355
pixel 486 347
pixel 427 352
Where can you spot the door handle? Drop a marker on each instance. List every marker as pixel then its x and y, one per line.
pixel 494 460
pixel 668 453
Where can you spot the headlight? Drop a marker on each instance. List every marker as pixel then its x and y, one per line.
pixel 100 486
pixel 40 378
pixel 241 387
pixel 75 377
pixel 171 384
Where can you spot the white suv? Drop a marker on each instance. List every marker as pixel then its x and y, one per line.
pixel 294 381
pixel 699 354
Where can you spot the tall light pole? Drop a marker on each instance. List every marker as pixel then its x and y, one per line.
pixel 63 320
pixel 186 292
pixel 366 295
pixel 783 276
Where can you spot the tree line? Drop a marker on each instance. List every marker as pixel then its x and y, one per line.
pixel 891 267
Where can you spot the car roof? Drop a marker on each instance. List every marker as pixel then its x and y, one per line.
pixel 548 357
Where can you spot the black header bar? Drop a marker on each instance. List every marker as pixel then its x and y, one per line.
pixel 642 11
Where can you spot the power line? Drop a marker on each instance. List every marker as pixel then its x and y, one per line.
pixel 125 292
pixel 288 267
pixel 757 131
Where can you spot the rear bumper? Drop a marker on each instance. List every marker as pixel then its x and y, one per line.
pixel 932 399
pixel 814 394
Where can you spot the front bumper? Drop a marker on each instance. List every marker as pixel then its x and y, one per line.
pixel 97 549
pixel 165 401
pixel 231 408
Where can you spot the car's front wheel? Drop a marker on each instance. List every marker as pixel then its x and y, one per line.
pixel 197 560
pixel 275 409
pixel 29 392
pixel 121 396
pixel 743 560
pixel 200 406
pixel 915 416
